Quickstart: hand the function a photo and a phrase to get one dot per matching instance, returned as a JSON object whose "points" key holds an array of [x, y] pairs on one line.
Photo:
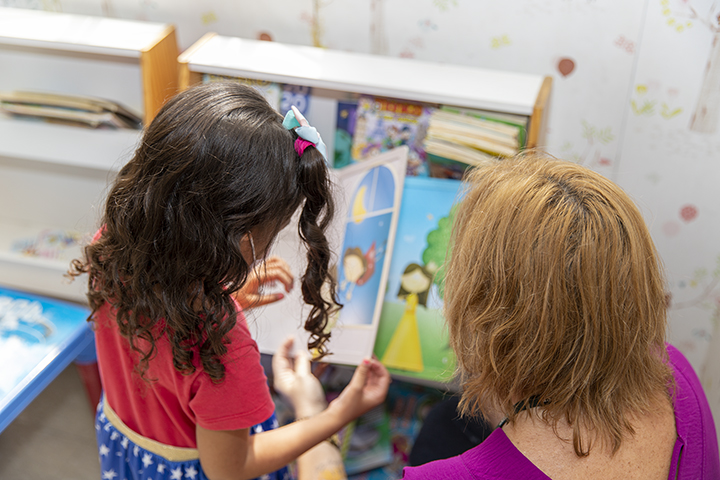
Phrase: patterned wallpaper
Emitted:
{"points": [[636, 96]]}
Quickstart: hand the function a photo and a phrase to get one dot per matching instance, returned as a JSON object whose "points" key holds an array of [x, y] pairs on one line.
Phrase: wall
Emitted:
{"points": [[636, 97]]}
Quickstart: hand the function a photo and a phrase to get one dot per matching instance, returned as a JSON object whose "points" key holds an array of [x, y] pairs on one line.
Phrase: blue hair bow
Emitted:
{"points": [[307, 135]]}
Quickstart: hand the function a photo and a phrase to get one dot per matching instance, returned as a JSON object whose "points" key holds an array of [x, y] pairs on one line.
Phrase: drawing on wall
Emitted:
{"points": [[500, 41], [704, 284], [706, 116], [313, 19], [625, 44], [444, 5], [566, 66], [208, 18], [686, 214], [378, 34], [643, 102], [592, 152]]}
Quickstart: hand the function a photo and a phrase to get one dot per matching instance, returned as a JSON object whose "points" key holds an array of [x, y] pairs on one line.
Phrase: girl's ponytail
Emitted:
{"points": [[318, 286], [315, 217]]}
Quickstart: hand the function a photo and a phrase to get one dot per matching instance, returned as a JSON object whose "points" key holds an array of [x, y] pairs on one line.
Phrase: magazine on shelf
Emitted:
{"points": [[361, 236], [75, 109]]}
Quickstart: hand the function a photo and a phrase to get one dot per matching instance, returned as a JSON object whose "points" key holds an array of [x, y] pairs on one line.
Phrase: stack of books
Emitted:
{"points": [[460, 138], [69, 109]]}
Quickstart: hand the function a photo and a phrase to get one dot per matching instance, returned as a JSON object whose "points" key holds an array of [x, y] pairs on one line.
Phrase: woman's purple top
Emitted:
{"points": [[695, 456]]}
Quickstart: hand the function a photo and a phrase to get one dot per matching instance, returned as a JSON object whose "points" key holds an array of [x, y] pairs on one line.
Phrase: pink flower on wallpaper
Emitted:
{"points": [[671, 228], [605, 162], [688, 213]]}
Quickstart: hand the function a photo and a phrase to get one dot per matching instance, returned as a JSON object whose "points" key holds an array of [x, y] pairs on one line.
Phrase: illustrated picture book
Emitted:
{"points": [[411, 339], [382, 124], [34, 331], [362, 236]]}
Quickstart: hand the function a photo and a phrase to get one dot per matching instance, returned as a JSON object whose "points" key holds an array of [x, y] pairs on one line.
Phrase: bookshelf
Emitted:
{"points": [[52, 176], [337, 75]]}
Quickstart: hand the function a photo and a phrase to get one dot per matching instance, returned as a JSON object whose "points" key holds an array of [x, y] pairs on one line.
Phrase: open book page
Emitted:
{"points": [[362, 235], [412, 338]]}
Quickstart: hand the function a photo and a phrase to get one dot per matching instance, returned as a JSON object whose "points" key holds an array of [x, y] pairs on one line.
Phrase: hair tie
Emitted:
{"points": [[307, 135]]}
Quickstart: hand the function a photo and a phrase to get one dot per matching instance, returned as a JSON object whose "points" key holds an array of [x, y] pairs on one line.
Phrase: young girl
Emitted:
{"points": [[216, 177]]}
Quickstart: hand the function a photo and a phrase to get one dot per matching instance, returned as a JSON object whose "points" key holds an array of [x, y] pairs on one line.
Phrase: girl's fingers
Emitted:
{"points": [[302, 363], [281, 359], [267, 299], [272, 272]]}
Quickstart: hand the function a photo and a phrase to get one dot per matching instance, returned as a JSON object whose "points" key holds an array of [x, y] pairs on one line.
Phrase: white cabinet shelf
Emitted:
{"points": [[29, 140], [355, 73], [53, 177]]}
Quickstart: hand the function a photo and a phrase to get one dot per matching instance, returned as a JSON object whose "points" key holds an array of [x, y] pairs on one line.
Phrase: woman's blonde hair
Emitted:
{"points": [[554, 290]]}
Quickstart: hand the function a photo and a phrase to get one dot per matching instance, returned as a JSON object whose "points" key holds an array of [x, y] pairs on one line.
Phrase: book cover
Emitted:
{"points": [[344, 132], [33, 330], [361, 236], [412, 339], [365, 442], [407, 406], [383, 124], [297, 95]]}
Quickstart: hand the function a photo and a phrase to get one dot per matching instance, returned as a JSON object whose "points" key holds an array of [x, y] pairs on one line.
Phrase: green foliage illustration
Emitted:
{"points": [[438, 242]]}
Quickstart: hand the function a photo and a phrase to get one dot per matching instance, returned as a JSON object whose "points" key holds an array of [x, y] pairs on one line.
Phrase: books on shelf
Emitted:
{"points": [[458, 138], [72, 109], [52, 244], [382, 124]]}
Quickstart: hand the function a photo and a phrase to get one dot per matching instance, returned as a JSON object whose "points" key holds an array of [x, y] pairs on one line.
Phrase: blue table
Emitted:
{"points": [[39, 338]]}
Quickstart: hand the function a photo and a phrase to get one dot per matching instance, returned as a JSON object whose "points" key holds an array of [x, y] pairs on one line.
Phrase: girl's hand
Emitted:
{"points": [[367, 389], [293, 379], [273, 269]]}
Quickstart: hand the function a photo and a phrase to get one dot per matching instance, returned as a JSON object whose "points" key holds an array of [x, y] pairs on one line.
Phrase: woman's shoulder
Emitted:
{"points": [[496, 457], [693, 419]]}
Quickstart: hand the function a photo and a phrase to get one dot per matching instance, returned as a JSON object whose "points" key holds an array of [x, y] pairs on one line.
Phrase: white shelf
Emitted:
{"points": [[55, 176], [105, 150], [77, 33], [36, 274], [368, 74]]}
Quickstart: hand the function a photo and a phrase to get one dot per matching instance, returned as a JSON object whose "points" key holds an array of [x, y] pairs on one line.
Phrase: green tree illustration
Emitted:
{"points": [[438, 243]]}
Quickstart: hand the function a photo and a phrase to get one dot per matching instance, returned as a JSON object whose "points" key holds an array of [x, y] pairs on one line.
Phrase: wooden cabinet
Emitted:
{"points": [[53, 177]]}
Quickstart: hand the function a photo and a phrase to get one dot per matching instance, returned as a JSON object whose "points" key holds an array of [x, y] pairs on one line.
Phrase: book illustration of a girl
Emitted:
{"points": [[404, 351], [358, 268]]}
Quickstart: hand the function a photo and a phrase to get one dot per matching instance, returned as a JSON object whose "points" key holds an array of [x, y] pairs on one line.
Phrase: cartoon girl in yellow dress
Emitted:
{"points": [[404, 351]]}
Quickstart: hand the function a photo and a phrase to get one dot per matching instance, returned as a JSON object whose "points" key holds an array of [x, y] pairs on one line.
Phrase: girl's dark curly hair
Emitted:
{"points": [[215, 163]]}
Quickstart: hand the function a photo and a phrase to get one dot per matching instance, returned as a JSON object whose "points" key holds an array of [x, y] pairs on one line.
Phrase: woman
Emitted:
{"points": [[556, 310]]}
